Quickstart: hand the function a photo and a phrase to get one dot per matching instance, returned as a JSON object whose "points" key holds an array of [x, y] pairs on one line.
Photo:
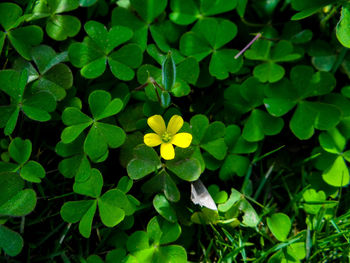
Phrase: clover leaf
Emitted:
{"points": [[107, 135], [264, 50], [21, 38], [236, 205], [207, 37], [280, 225], [162, 181], [336, 173], [308, 8], [323, 58], [164, 208], [113, 205], [93, 54], [13, 200], [52, 75], [309, 115], [247, 97], [20, 151], [311, 198], [10, 241], [153, 245], [185, 12], [209, 137], [35, 106], [76, 164], [145, 161], [234, 162], [146, 12], [58, 26], [342, 29]]}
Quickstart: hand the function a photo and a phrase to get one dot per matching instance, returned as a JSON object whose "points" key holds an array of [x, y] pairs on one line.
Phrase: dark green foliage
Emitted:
{"points": [[269, 127]]}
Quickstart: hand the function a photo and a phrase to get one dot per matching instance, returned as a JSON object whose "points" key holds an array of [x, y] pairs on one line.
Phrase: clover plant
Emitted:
{"points": [[170, 131]]}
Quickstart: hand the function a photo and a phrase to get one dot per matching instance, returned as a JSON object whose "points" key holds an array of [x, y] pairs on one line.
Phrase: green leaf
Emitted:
{"points": [[125, 184], [60, 6], [260, 124], [73, 211], [343, 26], [32, 172], [60, 27], [2, 40], [55, 81], [70, 133], [280, 225], [85, 224], [94, 69], [38, 106], [311, 195], [109, 206], [124, 60], [188, 169], [124, 17], [234, 164], [164, 208], [337, 174], [20, 150], [107, 40], [101, 105], [145, 162], [10, 241], [223, 62], [94, 259], [171, 192], [184, 12], [171, 254], [278, 106], [310, 115], [87, 3], [270, 72], [199, 124], [192, 44], [137, 241], [24, 38], [149, 9], [13, 83], [92, 186], [162, 231], [42, 55], [107, 135], [332, 141], [73, 116], [188, 70], [218, 196], [10, 185], [20, 204], [9, 15], [77, 165], [217, 148], [209, 8], [217, 32]]}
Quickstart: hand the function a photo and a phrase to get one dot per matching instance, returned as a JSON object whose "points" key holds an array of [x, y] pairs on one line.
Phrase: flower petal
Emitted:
{"points": [[182, 139], [152, 139], [167, 151], [157, 124], [175, 124]]}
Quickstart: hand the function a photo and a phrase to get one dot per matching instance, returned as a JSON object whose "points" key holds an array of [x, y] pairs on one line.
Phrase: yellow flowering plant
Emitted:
{"points": [[166, 137]]}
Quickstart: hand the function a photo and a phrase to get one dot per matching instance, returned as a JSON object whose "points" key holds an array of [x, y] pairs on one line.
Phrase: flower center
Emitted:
{"points": [[166, 137]]}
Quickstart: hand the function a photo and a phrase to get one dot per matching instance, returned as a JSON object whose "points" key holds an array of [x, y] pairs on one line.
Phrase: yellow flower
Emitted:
{"points": [[166, 137]]}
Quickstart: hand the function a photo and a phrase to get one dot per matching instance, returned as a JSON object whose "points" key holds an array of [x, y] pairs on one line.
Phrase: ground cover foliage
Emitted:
{"points": [[269, 130]]}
